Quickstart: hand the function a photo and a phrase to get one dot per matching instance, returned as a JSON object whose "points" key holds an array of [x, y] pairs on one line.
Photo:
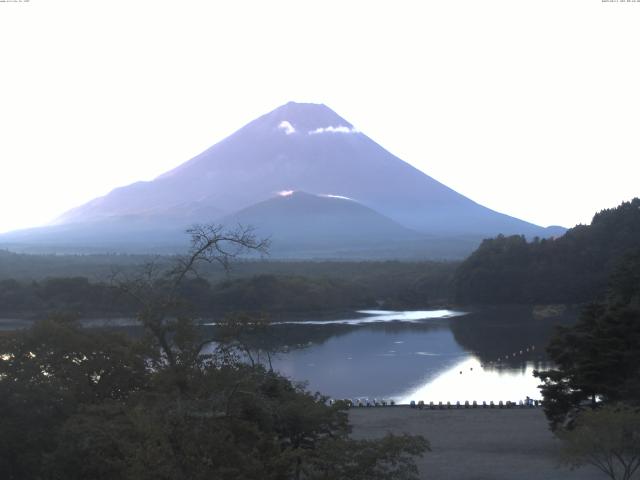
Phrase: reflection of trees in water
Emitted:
{"points": [[500, 336], [490, 334], [419, 326], [286, 337], [294, 336], [308, 335], [277, 338]]}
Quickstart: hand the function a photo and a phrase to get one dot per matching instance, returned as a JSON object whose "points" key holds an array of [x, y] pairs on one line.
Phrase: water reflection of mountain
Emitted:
{"points": [[504, 336]]}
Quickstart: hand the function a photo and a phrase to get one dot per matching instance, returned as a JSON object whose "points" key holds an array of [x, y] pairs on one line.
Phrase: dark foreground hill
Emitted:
{"points": [[301, 225], [571, 269]]}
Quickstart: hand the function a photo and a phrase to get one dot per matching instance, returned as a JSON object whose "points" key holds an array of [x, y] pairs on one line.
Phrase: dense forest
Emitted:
{"points": [[101, 267], [81, 403], [325, 287], [570, 269], [504, 270], [597, 360], [592, 389]]}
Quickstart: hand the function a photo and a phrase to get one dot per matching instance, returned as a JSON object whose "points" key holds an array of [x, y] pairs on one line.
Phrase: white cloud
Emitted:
{"points": [[331, 129], [342, 197], [287, 127], [285, 193]]}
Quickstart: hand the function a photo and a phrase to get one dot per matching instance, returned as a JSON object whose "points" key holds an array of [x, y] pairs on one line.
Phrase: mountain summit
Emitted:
{"points": [[265, 157], [299, 147]]}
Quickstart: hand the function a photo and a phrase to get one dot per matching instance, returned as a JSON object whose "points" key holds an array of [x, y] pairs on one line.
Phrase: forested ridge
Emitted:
{"points": [[570, 269], [392, 286]]}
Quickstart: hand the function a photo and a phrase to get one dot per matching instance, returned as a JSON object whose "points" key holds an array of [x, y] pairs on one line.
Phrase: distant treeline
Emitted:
{"points": [[24, 266], [73, 294], [573, 268], [325, 287]]}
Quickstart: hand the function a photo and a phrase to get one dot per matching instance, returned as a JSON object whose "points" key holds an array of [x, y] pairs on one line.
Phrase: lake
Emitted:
{"points": [[429, 355], [486, 354]]}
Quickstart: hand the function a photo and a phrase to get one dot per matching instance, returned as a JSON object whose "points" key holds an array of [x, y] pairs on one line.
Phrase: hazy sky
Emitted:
{"points": [[529, 107]]}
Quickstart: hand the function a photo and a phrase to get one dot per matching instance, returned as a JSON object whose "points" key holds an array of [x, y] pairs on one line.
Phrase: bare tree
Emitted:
{"points": [[156, 287], [250, 335]]}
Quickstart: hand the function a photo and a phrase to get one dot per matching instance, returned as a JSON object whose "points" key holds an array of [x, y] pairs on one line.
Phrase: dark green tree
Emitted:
{"points": [[597, 361], [608, 439], [573, 268], [47, 374]]}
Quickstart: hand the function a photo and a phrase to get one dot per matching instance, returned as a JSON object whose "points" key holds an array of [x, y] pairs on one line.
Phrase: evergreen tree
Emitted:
{"points": [[570, 269], [597, 360]]}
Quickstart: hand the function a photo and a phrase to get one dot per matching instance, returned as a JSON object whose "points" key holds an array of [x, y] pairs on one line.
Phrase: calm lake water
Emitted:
{"points": [[438, 355], [430, 355]]}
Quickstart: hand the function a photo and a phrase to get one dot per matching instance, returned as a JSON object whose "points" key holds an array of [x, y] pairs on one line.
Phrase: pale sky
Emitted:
{"points": [[530, 107]]}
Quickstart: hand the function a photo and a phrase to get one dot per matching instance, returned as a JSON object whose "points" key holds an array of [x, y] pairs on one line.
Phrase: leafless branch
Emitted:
{"points": [[155, 288]]}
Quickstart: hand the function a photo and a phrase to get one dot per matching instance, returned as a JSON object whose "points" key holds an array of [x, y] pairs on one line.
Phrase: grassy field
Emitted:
{"points": [[475, 444]]}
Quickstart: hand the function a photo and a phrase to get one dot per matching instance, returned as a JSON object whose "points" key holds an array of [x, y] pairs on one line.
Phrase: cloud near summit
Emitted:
{"points": [[286, 127], [331, 129]]}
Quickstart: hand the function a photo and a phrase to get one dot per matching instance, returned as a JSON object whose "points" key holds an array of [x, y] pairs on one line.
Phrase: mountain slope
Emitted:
{"points": [[299, 225], [309, 148], [296, 147]]}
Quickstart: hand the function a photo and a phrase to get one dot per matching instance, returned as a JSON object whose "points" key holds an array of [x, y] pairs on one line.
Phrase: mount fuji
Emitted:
{"points": [[349, 195]]}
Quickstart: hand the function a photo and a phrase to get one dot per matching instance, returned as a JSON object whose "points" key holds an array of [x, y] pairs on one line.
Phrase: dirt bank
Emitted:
{"points": [[475, 444]]}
